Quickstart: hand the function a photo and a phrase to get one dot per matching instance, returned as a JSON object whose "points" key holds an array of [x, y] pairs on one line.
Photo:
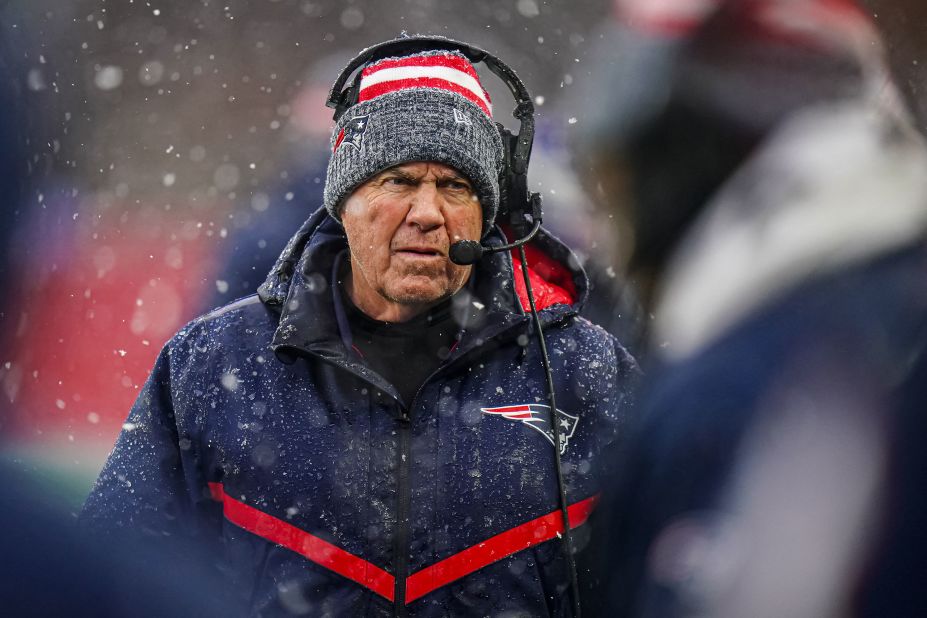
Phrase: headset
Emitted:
{"points": [[523, 208]]}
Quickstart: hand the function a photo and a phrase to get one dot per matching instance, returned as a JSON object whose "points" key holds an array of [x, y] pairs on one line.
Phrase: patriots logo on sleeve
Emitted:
{"points": [[537, 417]]}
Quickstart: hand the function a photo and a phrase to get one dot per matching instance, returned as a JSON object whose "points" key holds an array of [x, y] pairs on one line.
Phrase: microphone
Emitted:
{"points": [[466, 252]]}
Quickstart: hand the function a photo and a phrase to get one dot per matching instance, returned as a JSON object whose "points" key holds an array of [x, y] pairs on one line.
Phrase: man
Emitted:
{"points": [[776, 201], [367, 435]]}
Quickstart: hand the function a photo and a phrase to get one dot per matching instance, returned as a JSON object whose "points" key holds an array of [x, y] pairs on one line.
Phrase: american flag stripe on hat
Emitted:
{"points": [[450, 72]]}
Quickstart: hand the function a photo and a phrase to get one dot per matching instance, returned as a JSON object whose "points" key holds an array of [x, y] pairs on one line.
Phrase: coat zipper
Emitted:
{"points": [[404, 505], [401, 539]]}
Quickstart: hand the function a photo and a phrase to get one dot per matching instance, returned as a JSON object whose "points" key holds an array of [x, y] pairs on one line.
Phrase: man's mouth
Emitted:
{"points": [[420, 252]]}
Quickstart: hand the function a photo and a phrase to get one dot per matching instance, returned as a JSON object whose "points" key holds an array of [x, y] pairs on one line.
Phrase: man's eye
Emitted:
{"points": [[395, 181], [458, 186]]}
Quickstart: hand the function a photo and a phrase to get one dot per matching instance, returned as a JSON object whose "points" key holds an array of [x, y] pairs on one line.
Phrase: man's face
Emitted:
{"points": [[400, 225]]}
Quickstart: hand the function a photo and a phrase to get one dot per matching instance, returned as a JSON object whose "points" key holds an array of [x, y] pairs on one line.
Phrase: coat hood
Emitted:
{"points": [[300, 287]]}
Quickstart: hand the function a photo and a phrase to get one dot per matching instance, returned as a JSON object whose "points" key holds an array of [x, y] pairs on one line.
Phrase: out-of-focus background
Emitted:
{"points": [[159, 154]]}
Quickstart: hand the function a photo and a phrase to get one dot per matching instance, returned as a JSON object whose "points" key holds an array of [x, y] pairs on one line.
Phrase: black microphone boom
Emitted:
{"points": [[466, 252]]}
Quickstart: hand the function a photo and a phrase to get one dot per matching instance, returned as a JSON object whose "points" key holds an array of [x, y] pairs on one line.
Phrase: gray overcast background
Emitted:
{"points": [[117, 90]]}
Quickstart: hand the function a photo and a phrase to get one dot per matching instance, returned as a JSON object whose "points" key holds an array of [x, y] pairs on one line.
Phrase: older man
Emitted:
{"points": [[367, 435]]}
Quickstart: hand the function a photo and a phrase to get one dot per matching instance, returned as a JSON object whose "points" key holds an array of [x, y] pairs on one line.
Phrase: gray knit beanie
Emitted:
{"points": [[428, 106]]}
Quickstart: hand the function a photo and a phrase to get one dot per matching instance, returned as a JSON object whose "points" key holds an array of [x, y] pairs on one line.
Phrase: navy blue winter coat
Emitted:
{"points": [[697, 418], [261, 431], [778, 467]]}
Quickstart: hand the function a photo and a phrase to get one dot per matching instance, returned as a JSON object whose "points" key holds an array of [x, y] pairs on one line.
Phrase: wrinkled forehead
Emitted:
{"points": [[425, 168]]}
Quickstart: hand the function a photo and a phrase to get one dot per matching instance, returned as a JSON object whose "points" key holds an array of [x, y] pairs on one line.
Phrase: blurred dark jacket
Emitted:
{"points": [[780, 193], [51, 567], [789, 307]]}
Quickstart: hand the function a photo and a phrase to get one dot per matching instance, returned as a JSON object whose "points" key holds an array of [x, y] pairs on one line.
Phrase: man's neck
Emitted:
{"points": [[383, 310], [403, 353]]}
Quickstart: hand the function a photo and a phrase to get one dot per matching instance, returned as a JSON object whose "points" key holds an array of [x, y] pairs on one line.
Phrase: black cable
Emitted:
{"points": [[545, 360]]}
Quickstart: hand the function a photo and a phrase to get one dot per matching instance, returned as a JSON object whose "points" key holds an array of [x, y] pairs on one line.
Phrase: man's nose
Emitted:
{"points": [[425, 210]]}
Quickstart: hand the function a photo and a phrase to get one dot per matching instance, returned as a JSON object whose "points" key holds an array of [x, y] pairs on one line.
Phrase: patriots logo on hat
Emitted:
{"points": [[353, 133], [537, 416]]}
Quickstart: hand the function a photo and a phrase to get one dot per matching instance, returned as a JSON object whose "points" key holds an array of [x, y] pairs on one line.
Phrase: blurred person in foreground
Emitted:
{"points": [[50, 567], [773, 198], [364, 435]]}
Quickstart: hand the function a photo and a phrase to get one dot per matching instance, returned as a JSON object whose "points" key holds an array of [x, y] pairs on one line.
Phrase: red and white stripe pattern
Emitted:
{"points": [[444, 70]]}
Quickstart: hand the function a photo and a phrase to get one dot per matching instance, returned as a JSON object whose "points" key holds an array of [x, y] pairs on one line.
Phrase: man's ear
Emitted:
{"points": [[339, 208]]}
